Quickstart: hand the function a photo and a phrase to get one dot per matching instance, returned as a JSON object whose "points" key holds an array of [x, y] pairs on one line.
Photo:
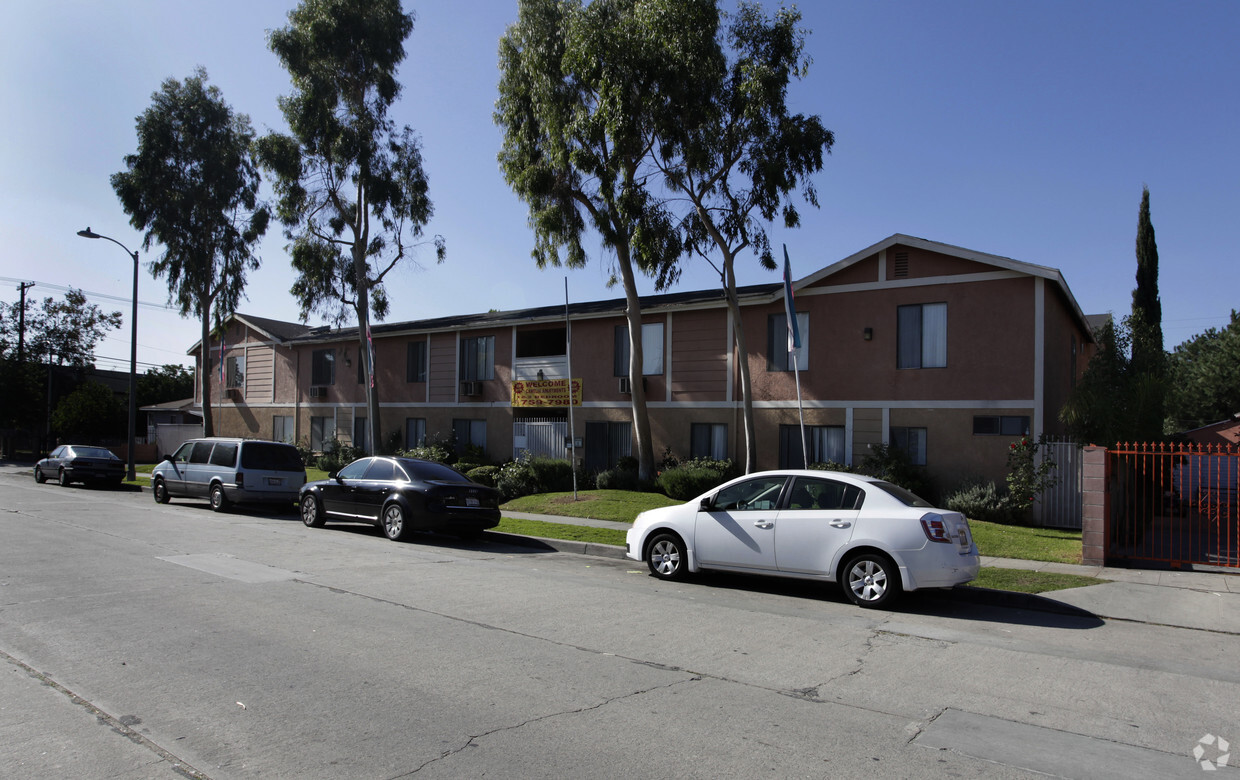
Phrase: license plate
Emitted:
{"points": [[472, 502], [275, 480]]}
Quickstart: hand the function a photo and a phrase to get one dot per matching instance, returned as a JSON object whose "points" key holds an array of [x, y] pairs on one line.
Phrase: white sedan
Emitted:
{"points": [[874, 538]]}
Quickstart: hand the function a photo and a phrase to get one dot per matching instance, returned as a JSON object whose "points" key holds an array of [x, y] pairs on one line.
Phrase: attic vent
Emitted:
{"points": [[901, 265]]}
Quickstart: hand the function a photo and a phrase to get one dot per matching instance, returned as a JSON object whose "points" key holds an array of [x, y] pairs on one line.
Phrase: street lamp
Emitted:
{"points": [[133, 350]]}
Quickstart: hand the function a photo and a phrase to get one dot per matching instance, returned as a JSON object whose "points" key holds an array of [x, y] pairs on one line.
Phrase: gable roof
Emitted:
{"points": [[1052, 275]]}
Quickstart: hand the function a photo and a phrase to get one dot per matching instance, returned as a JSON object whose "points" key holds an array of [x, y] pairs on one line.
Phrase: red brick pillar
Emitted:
{"points": [[1094, 507]]}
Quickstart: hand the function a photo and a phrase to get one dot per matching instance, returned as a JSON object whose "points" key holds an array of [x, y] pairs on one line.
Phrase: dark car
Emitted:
{"points": [[402, 495], [71, 463]]}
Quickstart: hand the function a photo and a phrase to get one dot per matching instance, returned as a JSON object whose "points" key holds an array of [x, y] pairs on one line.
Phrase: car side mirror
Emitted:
{"points": [[706, 505], [334, 475]]}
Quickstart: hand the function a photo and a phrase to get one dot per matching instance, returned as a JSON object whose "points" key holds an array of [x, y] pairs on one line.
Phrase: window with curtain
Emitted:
{"points": [[477, 358], [777, 356], [652, 349], [912, 441], [282, 428], [234, 371], [825, 444], [470, 433], [415, 431], [415, 368], [322, 431], [323, 367], [922, 336], [708, 440]]}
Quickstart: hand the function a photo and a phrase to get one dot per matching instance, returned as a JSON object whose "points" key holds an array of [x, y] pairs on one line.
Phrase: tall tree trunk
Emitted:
{"points": [[204, 373], [641, 417], [363, 355], [742, 357]]}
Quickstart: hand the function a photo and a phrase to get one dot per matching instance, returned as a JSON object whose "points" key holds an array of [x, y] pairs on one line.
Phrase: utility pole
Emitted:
{"points": [[21, 323]]}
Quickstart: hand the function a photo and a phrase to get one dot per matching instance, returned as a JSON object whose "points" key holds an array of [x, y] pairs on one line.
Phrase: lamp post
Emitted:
{"points": [[133, 350]]}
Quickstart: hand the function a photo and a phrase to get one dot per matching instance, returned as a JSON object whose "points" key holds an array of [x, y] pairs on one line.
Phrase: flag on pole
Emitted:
{"points": [[790, 309], [370, 356]]}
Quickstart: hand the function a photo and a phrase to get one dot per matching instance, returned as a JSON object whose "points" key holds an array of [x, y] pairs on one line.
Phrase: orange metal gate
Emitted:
{"points": [[1175, 504]]}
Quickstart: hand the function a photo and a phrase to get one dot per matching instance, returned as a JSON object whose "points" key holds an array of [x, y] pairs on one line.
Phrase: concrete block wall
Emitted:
{"points": [[1094, 505]]}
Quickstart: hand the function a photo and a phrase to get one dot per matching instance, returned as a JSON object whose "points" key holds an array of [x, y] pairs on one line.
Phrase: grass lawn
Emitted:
{"points": [[1029, 581], [620, 505], [1055, 545], [576, 533]]}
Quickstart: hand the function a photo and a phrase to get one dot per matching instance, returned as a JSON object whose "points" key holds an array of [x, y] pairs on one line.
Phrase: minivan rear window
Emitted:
{"points": [[224, 454], [269, 456]]}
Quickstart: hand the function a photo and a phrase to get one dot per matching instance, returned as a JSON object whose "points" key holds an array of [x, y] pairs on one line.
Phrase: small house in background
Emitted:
{"points": [[170, 424], [1225, 432]]}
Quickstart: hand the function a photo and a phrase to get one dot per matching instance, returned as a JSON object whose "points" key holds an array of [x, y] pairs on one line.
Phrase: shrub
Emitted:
{"points": [[617, 479], [980, 501], [484, 475], [336, 456], [552, 475], [683, 483], [1028, 476], [892, 464], [831, 465], [439, 452]]}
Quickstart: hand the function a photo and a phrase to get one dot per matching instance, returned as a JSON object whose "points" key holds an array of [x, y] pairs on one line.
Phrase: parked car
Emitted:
{"points": [[71, 463], [230, 471], [402, 495], [872, 537]]}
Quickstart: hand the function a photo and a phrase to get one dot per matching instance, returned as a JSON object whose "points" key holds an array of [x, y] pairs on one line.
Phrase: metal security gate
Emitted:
{"points": [[539, 437], [1174, 504], [1060, 505]]}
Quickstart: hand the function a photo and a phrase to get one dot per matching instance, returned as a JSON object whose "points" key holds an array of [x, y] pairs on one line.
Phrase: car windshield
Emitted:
{"points": [[425, 471], [268, 456], [905, 497], [94, 452]]}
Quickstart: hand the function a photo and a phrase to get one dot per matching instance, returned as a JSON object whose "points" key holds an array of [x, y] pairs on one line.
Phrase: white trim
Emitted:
{"points": [[849, 428], [926, 281]]}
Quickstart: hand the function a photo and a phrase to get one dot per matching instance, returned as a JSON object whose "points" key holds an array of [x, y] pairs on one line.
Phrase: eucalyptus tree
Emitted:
{"points": [[741, 154], [193, 187], [352, 192], [585, 93]]}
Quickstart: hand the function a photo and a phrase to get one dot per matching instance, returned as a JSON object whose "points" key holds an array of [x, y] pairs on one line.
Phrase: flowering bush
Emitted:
{"points": [[1028, 475]]}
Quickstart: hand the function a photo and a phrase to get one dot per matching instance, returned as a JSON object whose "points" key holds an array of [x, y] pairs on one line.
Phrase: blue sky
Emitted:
{"points": [[1021, 129]]}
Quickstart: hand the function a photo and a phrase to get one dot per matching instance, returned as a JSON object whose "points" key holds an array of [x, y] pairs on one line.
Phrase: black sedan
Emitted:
{"points": [[71, 463], [401, 495]]}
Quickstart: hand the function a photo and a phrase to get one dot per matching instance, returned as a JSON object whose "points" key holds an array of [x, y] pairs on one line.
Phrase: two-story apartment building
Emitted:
{"points": [[945, 352]]}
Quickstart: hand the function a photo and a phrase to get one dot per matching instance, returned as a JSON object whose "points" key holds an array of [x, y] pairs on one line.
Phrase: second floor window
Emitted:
{"points": [[477, 358], [415, 368], [323, 367], [922, 336], [234, 370], [778, 358], [652, 349]]}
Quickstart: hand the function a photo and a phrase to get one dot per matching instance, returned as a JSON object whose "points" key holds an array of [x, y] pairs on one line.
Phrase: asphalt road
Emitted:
{"points": [[139, 640]]}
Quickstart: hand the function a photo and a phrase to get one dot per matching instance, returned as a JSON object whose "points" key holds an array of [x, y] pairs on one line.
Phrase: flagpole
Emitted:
{"points": [[794, 348], [568, 351]]}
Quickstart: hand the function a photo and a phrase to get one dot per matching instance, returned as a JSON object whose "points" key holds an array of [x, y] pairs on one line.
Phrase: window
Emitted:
{"points": [[922, 336], [323, 367], [322, 430], [708, 440], [477, 358], [606, 443], [997, 425], [224, 454], [542, 343], [282, 429], [470, 433], [911, 441], [415, 362], [777, 356], [652, 349], [234, 371], [355, 470], [361, 431], [415, 431], [381, 469], [824, 494], [753, 495], [201, 452], [825, 444]]}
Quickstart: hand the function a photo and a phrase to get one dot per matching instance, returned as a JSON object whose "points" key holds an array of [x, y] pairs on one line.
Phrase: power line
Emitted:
{"points": [[119, 298]]}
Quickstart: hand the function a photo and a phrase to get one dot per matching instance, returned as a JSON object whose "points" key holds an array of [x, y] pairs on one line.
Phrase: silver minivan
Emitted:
{"points": [[230, 471]]}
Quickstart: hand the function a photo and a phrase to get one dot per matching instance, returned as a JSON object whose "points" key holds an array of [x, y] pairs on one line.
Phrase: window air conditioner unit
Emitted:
{"points": [[318, 392], [626, 387], [471, 388]]}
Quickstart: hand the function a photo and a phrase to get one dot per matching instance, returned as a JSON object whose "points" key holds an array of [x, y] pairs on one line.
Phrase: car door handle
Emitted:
{"points": [[763, 524], [840, 524]]}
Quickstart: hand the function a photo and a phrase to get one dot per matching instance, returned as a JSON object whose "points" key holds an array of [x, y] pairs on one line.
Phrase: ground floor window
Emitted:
{"points": [[824, 443], [1000, 425], [282, 429], [470, 433], [322, 431], [415, 430], [606, 443], [361, 433], [911, 441], [708, 440]]}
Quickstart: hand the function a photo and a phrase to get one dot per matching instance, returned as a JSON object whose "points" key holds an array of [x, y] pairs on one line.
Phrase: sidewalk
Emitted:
{"points": [[1208, 601]]}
